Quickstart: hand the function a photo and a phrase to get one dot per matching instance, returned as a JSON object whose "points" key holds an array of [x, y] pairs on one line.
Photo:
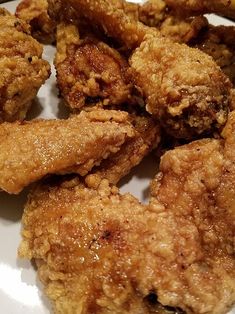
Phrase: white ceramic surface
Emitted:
{"points": [[20, 291]]}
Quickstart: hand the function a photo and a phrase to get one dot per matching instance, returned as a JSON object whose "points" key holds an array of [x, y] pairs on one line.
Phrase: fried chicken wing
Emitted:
{"points": [[221, 7], [34, 12], [178, 28], [34, 149], [89, 71], [101, 252], [22, 68], [182, 86], [218, 42], [131, 153]]}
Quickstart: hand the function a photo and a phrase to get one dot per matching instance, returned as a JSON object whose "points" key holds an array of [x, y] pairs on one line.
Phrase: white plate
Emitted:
{"points": [[20, 291]]}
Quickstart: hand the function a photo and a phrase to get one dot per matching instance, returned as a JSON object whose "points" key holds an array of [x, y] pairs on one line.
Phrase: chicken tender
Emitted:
{"points": [[221, 7], [183, 87], [31, 150], [89, 71], [131, 153], [218, 42], [178, 28], [22, 68], [101, 252], [34, 12]]}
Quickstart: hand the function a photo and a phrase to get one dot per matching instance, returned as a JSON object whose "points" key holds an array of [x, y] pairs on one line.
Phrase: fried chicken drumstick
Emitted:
{"points": [[22, 68], [31, 150], [182, 86], [101, 252]]}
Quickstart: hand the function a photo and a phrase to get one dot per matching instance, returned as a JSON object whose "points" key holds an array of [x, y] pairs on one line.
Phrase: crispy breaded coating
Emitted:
{"points": [[22, 68], [89, 71], [111, 16], [101, 252], [178, 28], [183, 87], [196, 187], [31, 150], [221, 7], [131, 153], [34, 12], [82, 239], [218, 42]]}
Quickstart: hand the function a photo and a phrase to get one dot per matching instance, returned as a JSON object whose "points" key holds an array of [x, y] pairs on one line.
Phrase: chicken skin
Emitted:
{"points": [[218, 42], [101, 252], [89, 71], [31, 150], [221, 7], [34, 12], [183, 87], [147, 137], [181, 29], [22, 68]]}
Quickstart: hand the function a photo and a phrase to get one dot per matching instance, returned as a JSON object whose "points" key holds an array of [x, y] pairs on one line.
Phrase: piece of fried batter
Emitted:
{"points": [[89, 71], [34, 149], [147, 137], [218, 42], [34, 12], [22, 68], [101, 252], [182, 86], [192, 7], [178, 28]]}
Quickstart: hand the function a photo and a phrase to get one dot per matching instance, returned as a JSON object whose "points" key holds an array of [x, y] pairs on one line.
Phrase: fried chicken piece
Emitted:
{"points": [[34, 149], [82, 239], [131, 153], [218, 42], [157, 14], [221, 7], [183, 87], [195, 189], [22, 68], [34, 12], [89, 71], [101, 252]]}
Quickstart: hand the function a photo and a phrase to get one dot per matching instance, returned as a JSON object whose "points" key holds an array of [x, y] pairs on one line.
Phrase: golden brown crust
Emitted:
{"points": [[118, 165], [196, 184], [218, 42], [183, 87], [111, 16], [101, 252], [192, 7], [34, 12], [156, 13], [89, 71], [34, 149], [22, 68]]}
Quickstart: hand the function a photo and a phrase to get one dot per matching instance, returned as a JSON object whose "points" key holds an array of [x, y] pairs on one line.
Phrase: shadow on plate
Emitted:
{"points": [[35, 109], [142, 175], [11, 206]]}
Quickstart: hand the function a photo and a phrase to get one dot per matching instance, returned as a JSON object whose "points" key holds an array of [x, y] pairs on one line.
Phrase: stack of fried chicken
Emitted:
{"points": [[136, 79]]}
